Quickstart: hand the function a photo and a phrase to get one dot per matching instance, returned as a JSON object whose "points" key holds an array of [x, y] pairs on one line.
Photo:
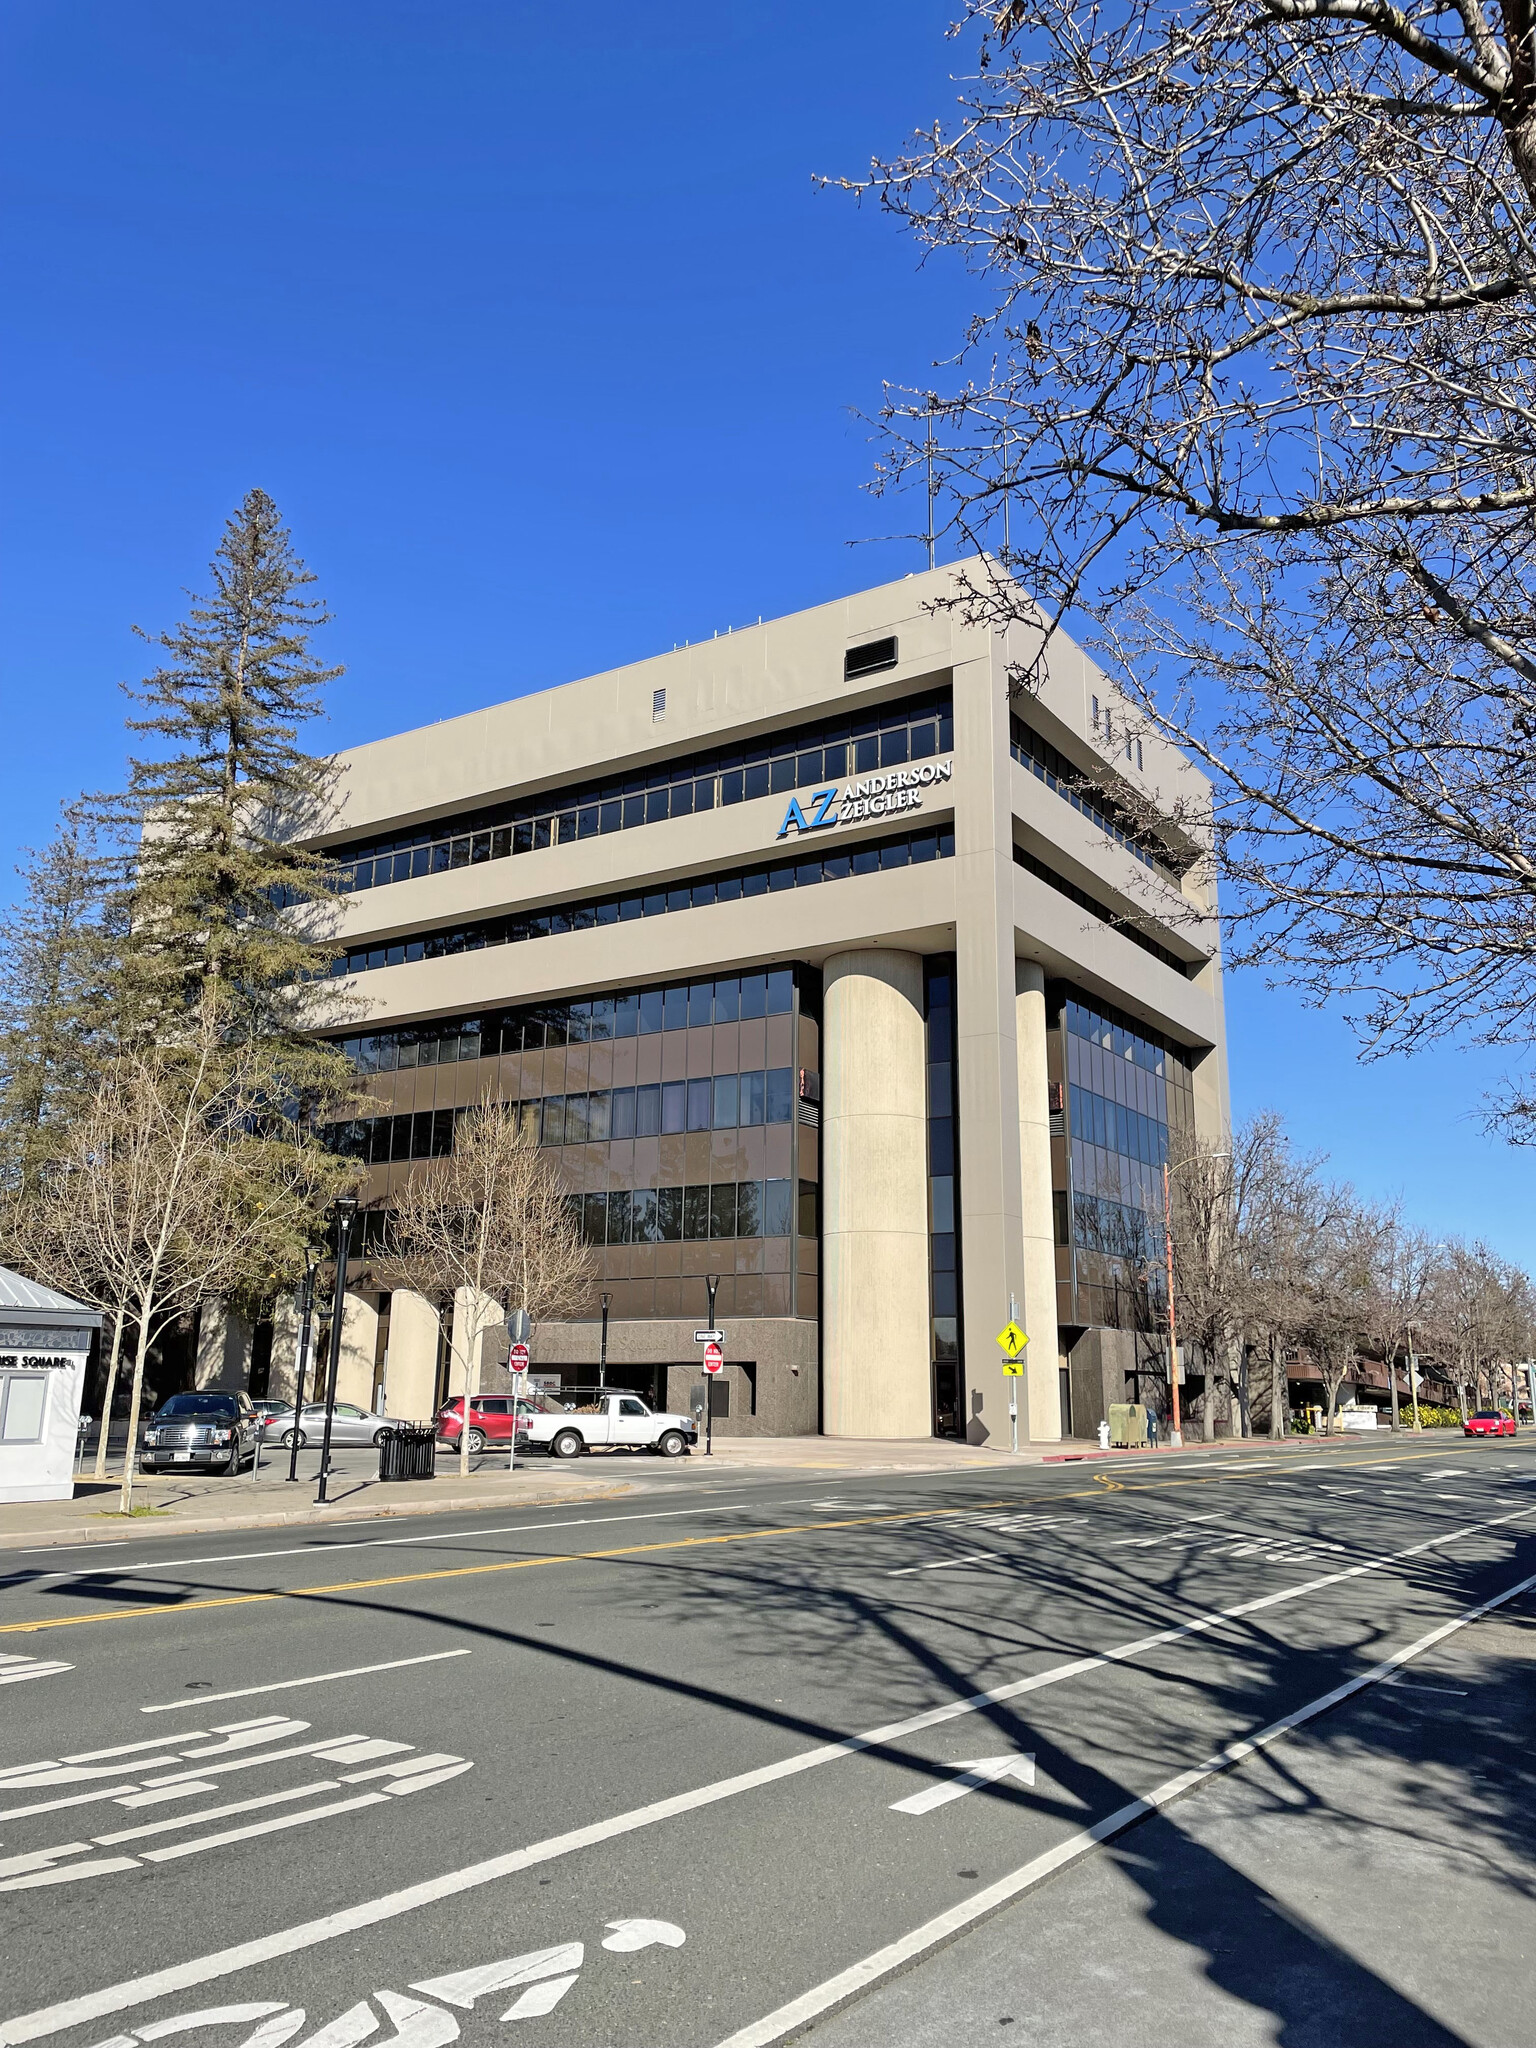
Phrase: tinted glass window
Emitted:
{"points": [[198, 1407]]}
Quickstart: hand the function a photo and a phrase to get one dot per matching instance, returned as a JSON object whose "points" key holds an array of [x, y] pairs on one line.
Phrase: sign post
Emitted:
{"points": [[713, 1341], [1012, 1339], [519, 1330]]}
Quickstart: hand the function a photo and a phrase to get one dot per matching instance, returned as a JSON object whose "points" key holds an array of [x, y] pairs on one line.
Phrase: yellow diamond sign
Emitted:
{"points": [[1012, 1339]]}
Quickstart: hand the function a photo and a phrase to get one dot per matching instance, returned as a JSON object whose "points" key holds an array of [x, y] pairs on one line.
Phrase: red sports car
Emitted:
{"points": [[1489, 1422]]}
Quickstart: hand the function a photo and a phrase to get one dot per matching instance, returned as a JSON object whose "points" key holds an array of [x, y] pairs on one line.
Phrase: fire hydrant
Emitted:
{"points": [[1103, 1436]]}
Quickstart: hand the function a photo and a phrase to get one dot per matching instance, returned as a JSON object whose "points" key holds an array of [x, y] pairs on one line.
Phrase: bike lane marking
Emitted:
{"points": [[312, 1933]]}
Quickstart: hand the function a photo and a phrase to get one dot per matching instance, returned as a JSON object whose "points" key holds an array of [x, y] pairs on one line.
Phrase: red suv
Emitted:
{"points": [[490, 1420], [1488, 1422]]}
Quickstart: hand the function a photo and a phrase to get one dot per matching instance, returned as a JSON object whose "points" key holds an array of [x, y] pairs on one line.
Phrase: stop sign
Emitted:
{"points": [[517, 1358], [714, 1358]]}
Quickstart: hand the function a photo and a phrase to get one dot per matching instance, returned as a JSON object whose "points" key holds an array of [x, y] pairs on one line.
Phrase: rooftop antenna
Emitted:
{"points": [[928, 467], [1007, 496]]}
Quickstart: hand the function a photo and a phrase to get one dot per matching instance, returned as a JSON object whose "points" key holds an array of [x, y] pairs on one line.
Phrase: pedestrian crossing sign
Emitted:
{"points": [[1012, 1339], [1013, 1368]]}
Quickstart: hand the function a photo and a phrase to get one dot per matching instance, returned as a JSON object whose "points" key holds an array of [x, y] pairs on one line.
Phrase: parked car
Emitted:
{"points": [[351, 1427], [1489, 1422], [581, 1419], [202, 1432], [490, 1420]]}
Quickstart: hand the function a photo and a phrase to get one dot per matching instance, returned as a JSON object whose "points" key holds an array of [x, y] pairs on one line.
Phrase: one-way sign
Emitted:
{"points": [[709, 1336]]}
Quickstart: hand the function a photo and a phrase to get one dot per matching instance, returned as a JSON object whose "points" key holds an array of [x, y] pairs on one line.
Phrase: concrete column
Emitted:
{"points": [[410, 1382], [1039, 1303], [285, 1348], [359, 1341], [223, 1348], [874, 1243]]}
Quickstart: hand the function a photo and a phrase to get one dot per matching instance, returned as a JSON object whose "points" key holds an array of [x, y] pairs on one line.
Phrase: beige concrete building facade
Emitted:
{"points": [[828, 967]]}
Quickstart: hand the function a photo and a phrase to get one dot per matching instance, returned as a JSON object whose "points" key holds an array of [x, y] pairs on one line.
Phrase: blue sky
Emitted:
{"points": [[532, 322]]}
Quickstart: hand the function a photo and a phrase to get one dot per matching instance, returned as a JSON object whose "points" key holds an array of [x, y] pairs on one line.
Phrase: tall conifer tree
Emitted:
{"points": [[57, 949], [214, 871]]}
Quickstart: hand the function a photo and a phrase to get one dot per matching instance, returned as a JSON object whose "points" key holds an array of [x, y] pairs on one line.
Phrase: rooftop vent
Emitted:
{"points": [[869, 659]]}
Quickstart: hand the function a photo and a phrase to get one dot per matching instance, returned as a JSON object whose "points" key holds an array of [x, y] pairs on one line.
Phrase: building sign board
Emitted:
{"points": [[887, 795]]}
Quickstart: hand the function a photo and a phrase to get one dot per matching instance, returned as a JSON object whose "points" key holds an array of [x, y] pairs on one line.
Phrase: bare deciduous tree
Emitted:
{"points": [[491, 1224], [165, 1193], [1251, 382]]}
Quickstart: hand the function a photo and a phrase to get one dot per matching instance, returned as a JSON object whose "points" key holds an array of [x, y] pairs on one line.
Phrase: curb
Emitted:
{"points": [[75, 1535]]}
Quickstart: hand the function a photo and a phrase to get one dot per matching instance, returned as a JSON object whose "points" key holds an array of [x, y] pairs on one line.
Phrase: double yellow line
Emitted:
{"points": [[523, 1564]]}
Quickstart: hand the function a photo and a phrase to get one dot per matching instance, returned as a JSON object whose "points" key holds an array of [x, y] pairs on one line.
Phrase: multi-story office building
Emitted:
{"points": [[809, 943]]}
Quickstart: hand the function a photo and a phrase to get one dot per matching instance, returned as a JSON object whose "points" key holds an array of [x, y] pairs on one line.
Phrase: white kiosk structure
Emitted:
{"points": [[45, 1340]]}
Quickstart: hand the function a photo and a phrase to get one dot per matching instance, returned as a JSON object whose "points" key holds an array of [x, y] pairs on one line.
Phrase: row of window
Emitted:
{"points": [[1034, 752], [1033, 864], [722, 1102], [878, 856], [1118, 1036], [825, 751], [633, 1013], [725, 1209], [1098, 1121]]}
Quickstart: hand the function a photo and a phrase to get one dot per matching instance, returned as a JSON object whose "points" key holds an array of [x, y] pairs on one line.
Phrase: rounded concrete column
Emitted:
{"points": [[359, 1342], [874, 1233], [410, 1379], [1042, 1415]]}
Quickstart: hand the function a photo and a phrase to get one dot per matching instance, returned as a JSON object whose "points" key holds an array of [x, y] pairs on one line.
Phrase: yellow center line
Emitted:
{"points": [[522, 1564]]}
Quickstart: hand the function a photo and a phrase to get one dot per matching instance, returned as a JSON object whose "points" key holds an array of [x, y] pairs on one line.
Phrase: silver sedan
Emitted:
{"points": [[351, 1426]]}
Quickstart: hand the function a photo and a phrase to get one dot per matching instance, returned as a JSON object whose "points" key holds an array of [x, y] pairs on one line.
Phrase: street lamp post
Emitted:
{"points": [[306, 1316], [1175, 1433], [602, 1356], [344, 1209]]}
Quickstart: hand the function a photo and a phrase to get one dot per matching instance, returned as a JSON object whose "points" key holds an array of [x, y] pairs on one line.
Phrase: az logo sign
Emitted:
{"points": [[795, 820]]}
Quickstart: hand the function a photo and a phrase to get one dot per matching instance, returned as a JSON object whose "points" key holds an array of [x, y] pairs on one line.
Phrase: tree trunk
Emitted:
{"points": [[106, 1403], [1331, 1389], [1276, 1389], [141, 1354]]}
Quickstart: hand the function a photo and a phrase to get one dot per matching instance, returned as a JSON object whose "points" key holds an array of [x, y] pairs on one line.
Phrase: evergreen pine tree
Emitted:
{"points": [[213, 868], [57, 958]]}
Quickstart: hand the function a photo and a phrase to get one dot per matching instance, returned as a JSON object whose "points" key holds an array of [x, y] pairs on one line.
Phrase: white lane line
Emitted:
{"points": [[169, 1564], [944, 1563], [227, 1962], [849, 1984], [245, 1692]]}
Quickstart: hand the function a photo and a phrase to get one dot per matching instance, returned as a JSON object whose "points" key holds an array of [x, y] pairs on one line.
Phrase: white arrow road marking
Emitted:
{"points": [[463, 1987], [15, 1670], [251, 1954], [417, 2024], [986, 1770], [625, 1937], [354, 2025], [539, 1999]]}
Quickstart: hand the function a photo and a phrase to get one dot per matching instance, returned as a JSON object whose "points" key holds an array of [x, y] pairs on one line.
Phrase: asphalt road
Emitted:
{"points": [[766, 1756]]}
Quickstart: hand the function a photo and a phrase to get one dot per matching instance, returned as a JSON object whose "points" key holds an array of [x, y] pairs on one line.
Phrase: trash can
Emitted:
{"points": [[408, 1450]]}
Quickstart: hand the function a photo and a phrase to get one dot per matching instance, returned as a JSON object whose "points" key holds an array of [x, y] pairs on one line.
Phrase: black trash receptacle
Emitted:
{"points": [[408, 1450]]}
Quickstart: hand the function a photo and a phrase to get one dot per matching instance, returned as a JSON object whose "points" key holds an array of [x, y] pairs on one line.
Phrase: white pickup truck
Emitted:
{"points": [[578, 1419]]}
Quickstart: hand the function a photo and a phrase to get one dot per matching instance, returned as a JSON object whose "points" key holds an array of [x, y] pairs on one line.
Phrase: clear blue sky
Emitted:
{"points": [[533, 324]]}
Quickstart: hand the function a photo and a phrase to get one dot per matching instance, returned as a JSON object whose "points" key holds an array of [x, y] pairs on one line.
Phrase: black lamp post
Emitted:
{"points": [[602, 1356], [344, 1209], [306, 1317]]}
